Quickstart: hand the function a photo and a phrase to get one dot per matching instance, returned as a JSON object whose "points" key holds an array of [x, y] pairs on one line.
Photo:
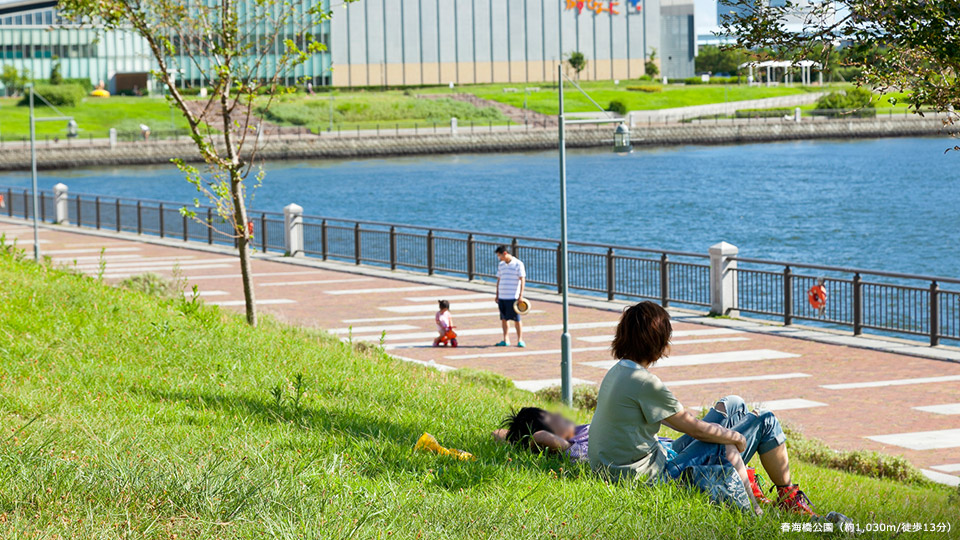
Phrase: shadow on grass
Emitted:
{"points": [[386, 445]]}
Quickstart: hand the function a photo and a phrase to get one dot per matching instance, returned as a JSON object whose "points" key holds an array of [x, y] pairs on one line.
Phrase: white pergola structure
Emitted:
{"points": [[806, 70]]}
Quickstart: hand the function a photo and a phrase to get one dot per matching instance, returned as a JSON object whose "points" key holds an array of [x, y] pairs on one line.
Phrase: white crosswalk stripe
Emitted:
{"points": [[426, 308], [358, 329], [947, 408], [748, 378], [453, 298], [921, 440], [893, 382], [755, 355], [676, 334], [385, 290], [539, 384], [227, 303], [312, 282], [524, 352], [789, 404], [489, 331]]}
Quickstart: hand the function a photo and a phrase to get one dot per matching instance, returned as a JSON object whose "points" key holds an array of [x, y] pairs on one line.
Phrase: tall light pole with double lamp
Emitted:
{"points": [[71, 132], [621, 145]]}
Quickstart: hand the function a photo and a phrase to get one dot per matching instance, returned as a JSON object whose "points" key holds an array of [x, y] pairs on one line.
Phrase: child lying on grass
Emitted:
{"points": [[545, 431]]}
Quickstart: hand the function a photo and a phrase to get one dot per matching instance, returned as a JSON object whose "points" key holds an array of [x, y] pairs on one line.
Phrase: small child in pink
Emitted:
{"points": [[445, 326]]}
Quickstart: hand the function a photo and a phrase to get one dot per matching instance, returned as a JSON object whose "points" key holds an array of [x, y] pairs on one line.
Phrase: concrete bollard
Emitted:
{"points": [[796, 115], [113, 137], [453, 126], [293, 230], [62, 212], [723, 279]]}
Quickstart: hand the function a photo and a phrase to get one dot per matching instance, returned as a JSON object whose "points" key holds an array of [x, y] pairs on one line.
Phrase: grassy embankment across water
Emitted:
{"points": [[367, 109], [127, 415]]}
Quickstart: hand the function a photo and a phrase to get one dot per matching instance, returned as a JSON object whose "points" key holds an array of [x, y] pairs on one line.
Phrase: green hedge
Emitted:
{"points": [[649, 88], [60, 95], [617, 106], [763, 113], [855, 102], [713, 80]]}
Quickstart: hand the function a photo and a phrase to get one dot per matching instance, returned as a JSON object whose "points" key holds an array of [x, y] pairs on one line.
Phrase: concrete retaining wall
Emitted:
{"points": [[18, 158]]}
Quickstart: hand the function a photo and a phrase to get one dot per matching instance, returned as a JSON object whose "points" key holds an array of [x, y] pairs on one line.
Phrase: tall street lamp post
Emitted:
{"points": [[621, 145], [71, 127]]}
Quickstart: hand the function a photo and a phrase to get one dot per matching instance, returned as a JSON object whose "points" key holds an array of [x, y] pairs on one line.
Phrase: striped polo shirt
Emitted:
{"points": [[509, 275]]}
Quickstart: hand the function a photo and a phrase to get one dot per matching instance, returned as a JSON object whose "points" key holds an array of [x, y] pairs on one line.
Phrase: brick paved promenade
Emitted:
{"points": [[850, 396]]}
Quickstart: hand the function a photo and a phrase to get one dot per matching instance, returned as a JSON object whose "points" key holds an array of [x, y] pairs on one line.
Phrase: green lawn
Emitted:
{"points": [[94, 116], [603, 92], [130, 416]]}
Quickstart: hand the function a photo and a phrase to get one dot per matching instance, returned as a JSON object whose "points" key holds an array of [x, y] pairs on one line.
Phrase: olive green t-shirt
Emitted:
{"points": [[631, 404]]}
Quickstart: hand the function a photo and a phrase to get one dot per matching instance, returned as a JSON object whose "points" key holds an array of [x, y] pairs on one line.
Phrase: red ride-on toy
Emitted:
{"points": [[450, 338]]}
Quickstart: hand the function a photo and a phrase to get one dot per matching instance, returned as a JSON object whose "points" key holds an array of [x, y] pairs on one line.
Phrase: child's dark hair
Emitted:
{"points": [[444, 304], [522, 424]]}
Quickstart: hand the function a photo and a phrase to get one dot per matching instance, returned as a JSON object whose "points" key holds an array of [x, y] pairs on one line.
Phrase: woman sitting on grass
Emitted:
{"points": [[632, 403]]}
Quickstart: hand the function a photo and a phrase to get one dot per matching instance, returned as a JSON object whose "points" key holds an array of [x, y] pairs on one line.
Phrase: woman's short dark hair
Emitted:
{"points": [[643, 333], [524, 423], [444, 304]]}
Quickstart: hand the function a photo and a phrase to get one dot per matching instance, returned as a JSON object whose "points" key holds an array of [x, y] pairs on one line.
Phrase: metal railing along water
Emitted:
{"points": [[885, 302]]}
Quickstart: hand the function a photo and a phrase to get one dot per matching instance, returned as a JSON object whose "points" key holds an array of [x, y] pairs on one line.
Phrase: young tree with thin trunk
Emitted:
{"points": [[243, 49]]}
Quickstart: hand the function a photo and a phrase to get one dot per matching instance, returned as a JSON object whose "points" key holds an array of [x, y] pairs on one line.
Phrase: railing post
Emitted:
{"points": [[209, 225], [186, 229], [471, 263], [323, 239], [559, 270], [119, 227], [43, 207], [357, 242], [857, 305], [26, 203], [10, 201], [611, 275], [787, 296], [263, 232], [514, 247], [161, 220], [430, 252], [96, 205], [79, 216], [293, 231], [139, 218], [664, 280], [723, 279], [393, 247], [934, 314]]}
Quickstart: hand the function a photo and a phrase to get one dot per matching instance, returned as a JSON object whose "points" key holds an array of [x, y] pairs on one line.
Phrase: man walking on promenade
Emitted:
{"points": [[511, 277]]}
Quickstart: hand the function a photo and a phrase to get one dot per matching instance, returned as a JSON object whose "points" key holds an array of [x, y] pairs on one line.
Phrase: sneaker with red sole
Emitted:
{"points": [[793, 499], [755, 481]]}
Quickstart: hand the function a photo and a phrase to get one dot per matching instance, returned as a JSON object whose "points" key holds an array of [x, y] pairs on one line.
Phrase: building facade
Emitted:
{"points": [[428, 42], [33, 37], [407, 43]]}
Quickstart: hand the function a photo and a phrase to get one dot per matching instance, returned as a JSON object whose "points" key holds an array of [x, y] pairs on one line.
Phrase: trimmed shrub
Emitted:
{"points": [[617, 106], [60, 95], [649, 88], [762, 113], [856, 103]]}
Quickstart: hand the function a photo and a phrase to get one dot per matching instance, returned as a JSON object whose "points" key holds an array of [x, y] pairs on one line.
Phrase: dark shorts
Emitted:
{"points": [[507, 313]]}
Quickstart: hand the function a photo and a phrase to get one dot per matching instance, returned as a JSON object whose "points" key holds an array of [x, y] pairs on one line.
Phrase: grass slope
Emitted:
{"points": [[94, 116], [603, 92], [129, 416]]}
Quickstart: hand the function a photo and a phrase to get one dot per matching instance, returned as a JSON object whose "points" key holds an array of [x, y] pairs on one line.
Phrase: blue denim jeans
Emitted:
{"points": [[760, 428]]}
